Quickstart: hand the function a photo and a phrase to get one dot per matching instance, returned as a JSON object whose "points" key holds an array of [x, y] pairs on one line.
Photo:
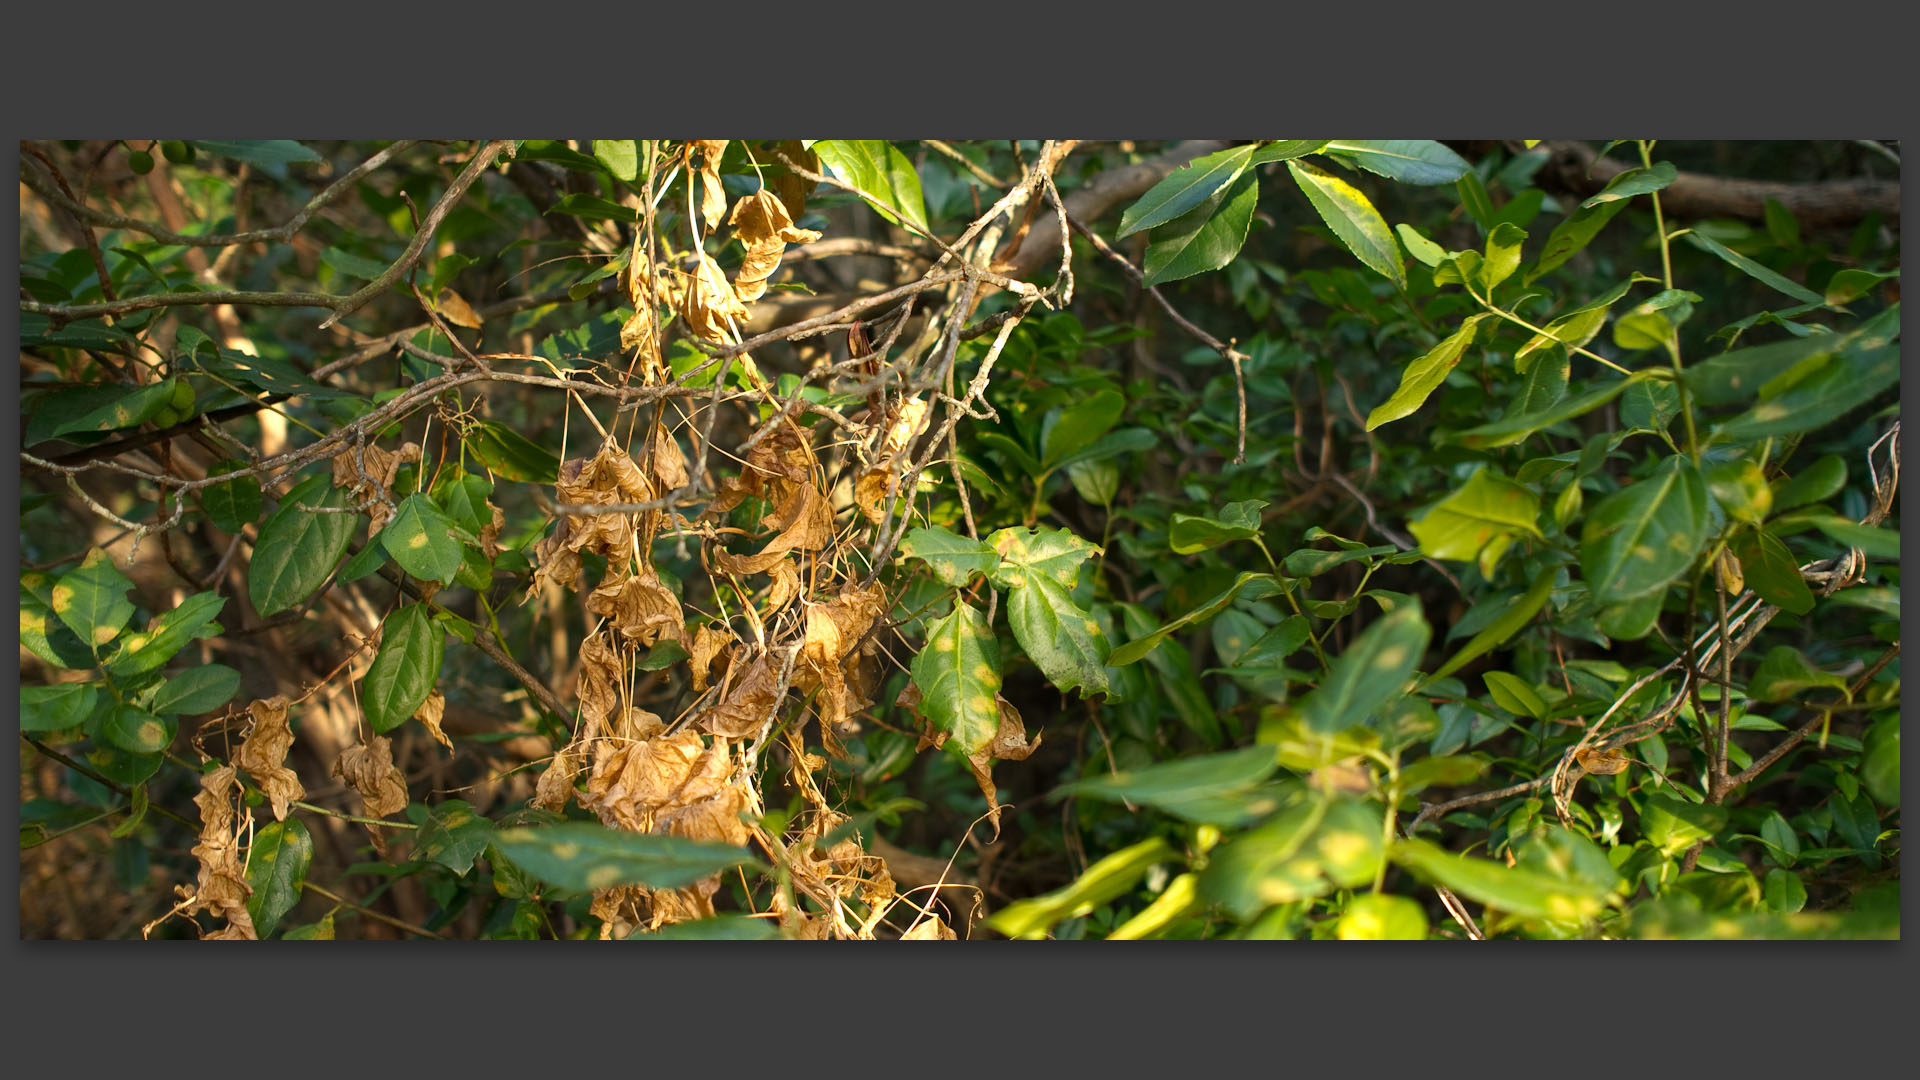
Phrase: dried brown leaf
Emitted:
{"points": [[369, 769], [1009, 744], [764, 227], [555, 786], [490, 536], [366, 474], [792, 188], [1603, 762], [640, 607], [668, 464], [709, 302], [708, 643], [713, 195], [222, 888], [265, 749], [786, 585], [930, 928], [598, 687], [632, 783], [870, 490], [455, 309], [748, 703], [430, 714]]}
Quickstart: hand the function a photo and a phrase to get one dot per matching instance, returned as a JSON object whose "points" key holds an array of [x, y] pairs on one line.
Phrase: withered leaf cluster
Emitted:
{"points": [[222, 888], [366, 473], [264, 753]]}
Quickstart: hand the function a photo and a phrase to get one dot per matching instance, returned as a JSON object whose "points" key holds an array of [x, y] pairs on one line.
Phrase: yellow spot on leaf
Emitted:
{"points": [[601, 877], [152, 734], [566, 851], [1644, 552], [1391, 657], [419, 540], [62, 598]]}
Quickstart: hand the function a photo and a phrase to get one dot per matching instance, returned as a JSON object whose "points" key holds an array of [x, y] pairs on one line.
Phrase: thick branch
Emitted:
{"points": [[1817, 204]]}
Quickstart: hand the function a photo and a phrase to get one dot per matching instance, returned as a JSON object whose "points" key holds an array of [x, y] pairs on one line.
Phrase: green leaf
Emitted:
{"points": [[1371, 673], [1576, 327], [1851, 284], [351, 265], [583, 856], [365, 562], [1285, 150], [1185, 189], [453, 836], [1503, 255], [1784, 674], [420, 538], [593, 208], [1126, 440], [1572, 236], [1512, 693], [1410, 161], [1312, 562], [1077, 426], [1187, 534], [1353, 219], [1818, 482], [881, 171], [144, 651], [1480, 521], [1674, 825], [1546, 383], [1878, 543], [1649, 406], [1475, 200], [1206, 238], [257, 152], [49, 639], [57, 707], [464, 497], [1524, 891], [1096, 481], [412, 647], [1880, 761], [1630, 620], [197, 690], [138, 732], [510, 454], [1515, 617], [958, 675], [1382, 917], [1841, 384], [1771, 571], [1738, 375], [91, 600], [298, 549], [233, 504], [1055, 553], [1138, 648], [277, 870], [1058, 636], [1221, 789], [1102, 882], [1640, 538], [271, 375], [1640, 181], [1424, 376], [1418, 246], [1780, 837], [953, 558], [620, 156], [1445, 771], [1783, 892], [1753, 269]]}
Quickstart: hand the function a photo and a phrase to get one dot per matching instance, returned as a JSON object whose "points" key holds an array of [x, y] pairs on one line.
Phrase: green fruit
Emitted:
{"points": [[168, 417], [140, 162], [177, 152], [182, 396]]}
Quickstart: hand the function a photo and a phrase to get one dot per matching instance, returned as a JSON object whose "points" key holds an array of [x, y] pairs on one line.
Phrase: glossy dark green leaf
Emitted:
{"points": [[297, 548], [1630, 620], [1475, 200], [1513, 694], [1225, 788], [1112, 444], [148, 649], [1410, 161], [953, 558], [1753, 269], [1139, 647], [1640, 181], [1841, 384], [1184, 189], [1206, 238], [1372, 672], [958, 675], [583, 856], [510, 454], [1480, 521], [1818, 482], [1518, 615], [258, 151], [1353, 219], [277, 870], [1187, 534], [50, 639], [1642, 537], [1422, 377], [1783, 842], [271, 375], [1571, 236], [1513, 429], [1079, 424], [91, 599], [57, 707], [1771, 571], [126, 409], [464, 498], [1784, 892], [1673, 825], [880, 171], [138, 732], [1880, 761], [1649, 406], [453, 836], [420, 538], [197, 690], [1878, 543], [233, 504], [365, 563], [1785, 675], [593, 208], [1546, 383], [1063, 640], [405, 670]]}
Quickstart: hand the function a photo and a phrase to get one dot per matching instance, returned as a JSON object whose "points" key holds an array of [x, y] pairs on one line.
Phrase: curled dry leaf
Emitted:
{"points": [[631, 784], [640, 608], [708, 642], [430, 714], [764, 227], [786, 586], [908, 424], [555, 785], [792, 188], [366, 474], [748, 703], [369, 769], [598, 687], [709, 302], [454, 308], [1732, 575], [1603, 762], [668, 464], [616, 908], [870, 492], [713, 194], [1009, 744], [608, 479], [264, 752], [222, 888], [930, 928], [490, 536]]}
